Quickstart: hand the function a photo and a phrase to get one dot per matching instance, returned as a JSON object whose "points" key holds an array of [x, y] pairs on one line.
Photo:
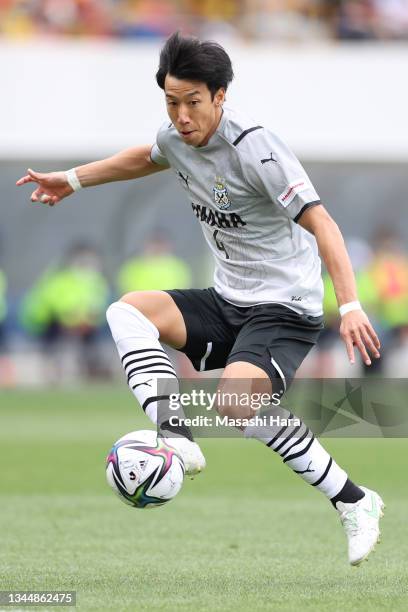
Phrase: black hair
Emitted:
{"points": [[188, 58]]}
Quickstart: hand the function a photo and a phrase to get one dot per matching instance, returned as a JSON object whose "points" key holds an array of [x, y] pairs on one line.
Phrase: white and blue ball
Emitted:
{"points": [[144, 470]]}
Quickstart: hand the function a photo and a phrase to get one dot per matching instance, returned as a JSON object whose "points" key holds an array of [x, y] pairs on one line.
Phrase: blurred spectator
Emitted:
{"points": [[3, 306], [77, 17], [6, 369], [331, 358], [66, 307], [390, 275], [293, 20], [265, 20], [355, 20], [3, 303], [146, 18], [156, 268], [382, 285], [213, 19], [361, 256], [24, 18], [391, 19]]}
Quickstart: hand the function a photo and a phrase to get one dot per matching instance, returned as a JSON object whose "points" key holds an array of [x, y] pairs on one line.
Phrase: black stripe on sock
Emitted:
{"points": [[295, 443], [155, 398], [142, 351], [323, 476], [149, 365], [288, 438], [172, 372], [157, 372], [300, 453], [278, 435], [245, 133], [144, 359], [179, 429]]}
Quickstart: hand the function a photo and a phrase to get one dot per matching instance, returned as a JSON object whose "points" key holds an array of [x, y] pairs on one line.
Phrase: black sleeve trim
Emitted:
{"points": [[241, 136], [306, 207]]}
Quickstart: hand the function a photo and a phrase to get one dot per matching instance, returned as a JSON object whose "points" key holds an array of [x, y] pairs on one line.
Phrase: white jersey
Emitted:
{"points": [[248, 191]]}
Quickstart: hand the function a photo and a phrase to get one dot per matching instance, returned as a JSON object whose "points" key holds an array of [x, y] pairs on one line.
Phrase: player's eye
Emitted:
{"points": [[170, 103], [194, 102]]}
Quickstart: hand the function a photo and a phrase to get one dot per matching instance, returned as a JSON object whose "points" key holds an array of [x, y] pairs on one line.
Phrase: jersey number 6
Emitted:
{"points": [[220, 245]]}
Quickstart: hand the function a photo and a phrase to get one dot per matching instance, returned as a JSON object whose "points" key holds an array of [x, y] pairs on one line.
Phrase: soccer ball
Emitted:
{"points": [[144, 470]]}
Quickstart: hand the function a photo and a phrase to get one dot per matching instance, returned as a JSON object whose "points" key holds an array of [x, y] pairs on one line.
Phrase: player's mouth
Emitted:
{"points": [[187, 134]]}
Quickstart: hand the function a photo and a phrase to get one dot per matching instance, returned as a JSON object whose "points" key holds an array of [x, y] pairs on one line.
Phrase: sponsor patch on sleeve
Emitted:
{"points": [[292, 190]]}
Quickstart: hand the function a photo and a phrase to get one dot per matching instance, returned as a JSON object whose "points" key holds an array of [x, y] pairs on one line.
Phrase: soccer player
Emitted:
{"points": [[264, 224]]}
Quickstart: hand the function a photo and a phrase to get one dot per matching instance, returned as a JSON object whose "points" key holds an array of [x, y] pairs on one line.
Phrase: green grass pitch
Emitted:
{"points": [[247, 534]]}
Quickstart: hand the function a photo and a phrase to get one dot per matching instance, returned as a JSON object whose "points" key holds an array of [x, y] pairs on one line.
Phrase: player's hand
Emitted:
{"points": [[356, 330], [52, 186]]}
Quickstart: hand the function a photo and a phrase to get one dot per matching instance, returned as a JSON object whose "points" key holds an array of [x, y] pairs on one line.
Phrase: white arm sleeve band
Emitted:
{"points": [[345, 308], [73, 180]]}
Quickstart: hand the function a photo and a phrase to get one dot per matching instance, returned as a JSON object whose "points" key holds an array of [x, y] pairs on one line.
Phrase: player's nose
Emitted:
{"points": [[183, 118]]}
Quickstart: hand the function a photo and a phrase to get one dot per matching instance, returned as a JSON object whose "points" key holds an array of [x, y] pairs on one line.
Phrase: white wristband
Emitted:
{"points": [[349, 307], [73, 180]]}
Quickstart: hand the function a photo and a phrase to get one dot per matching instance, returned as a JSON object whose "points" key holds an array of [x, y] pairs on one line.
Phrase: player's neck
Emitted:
{"points": [[219, 112]]}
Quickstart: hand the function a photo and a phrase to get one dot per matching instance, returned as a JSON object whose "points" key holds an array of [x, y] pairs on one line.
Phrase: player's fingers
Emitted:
{"points": [[35, 196], [361, 347], [373, 335], [49, 199], [46, 199], [369, 342], [24, 179], [36, 176], [349, 347]]}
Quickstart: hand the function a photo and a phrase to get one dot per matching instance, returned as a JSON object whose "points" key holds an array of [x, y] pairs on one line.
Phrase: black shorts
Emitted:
{"points": [[270, 336]]}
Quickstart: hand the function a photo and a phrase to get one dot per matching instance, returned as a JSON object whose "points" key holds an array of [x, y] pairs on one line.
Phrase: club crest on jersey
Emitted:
{"points": [[221, 196]]}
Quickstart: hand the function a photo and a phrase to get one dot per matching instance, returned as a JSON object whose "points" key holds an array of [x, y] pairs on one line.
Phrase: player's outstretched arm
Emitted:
{"points": [[131, 163], [355, 328]]}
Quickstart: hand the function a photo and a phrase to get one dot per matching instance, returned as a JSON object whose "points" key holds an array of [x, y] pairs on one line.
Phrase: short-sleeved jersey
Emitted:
{"points": [[248, 191]]}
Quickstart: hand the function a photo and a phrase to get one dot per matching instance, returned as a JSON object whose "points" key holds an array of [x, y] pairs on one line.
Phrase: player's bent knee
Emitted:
{"points": [[152, 304], [232, 411], [161, 310], [230, 402], [243, 390], [138, 299]]}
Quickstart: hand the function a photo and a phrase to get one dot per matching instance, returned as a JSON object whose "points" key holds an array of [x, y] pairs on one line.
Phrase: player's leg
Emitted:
{"points": [[241, 380], [288, 436], [277, 349], [360, 509], [138, 322]]}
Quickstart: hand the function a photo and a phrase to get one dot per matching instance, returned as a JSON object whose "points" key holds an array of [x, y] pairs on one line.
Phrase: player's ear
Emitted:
{"points": [[219, 97]]}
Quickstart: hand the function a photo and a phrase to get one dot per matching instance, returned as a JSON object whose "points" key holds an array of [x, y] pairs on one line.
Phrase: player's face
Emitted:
{"points": [[192, 111]]}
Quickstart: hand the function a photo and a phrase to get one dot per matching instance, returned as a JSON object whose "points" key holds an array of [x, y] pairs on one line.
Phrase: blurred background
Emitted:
{"points": [[245, 20], [77, 76]]}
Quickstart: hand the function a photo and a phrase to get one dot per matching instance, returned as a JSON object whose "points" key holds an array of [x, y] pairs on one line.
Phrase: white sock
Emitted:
{"points": [[150, 373], [301, 451]]}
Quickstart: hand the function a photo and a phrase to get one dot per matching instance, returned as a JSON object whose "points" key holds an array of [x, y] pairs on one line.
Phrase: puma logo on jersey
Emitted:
{"points": [[272, 158], [185, 178]]}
